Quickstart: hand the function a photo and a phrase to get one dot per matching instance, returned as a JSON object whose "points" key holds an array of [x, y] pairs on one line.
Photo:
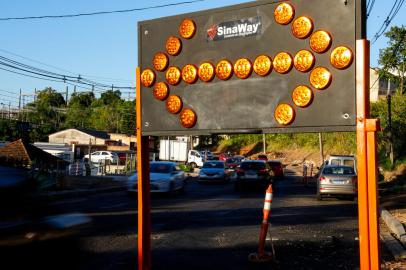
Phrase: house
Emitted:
{"points": [[379, 87], [23, 154]]}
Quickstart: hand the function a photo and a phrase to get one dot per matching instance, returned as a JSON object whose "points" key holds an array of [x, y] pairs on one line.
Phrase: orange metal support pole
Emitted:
{"points": [[362, 89], [144, 201], [372, 125]]}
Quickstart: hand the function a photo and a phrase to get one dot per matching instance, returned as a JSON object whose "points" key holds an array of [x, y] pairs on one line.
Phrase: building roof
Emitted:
{"points": [[95, 133], [25, 153]]}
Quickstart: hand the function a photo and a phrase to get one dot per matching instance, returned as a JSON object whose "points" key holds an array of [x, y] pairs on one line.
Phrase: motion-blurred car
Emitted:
{"points": [[277, 168], [214, 170], [337, 181], [103, 156], [26, 218], [165, 177], [253, 172]]}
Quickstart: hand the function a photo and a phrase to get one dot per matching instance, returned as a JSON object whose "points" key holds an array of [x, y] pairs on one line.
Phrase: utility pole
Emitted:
{"points": [[74, 89], [92, 88], [66, 95], [9, 115], [321, 147], [264, 142], [391, 150], [35, 94], [19, 105]]}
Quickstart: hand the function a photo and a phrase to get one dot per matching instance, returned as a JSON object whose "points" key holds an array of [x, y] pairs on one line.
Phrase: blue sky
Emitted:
{"points": [[102, 48]]}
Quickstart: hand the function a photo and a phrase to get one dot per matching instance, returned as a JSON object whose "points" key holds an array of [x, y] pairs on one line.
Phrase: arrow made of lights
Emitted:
{"points": [[304, 61]]}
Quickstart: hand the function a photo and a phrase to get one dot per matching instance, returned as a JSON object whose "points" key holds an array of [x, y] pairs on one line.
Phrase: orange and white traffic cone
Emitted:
{"points": [[262, 255]]}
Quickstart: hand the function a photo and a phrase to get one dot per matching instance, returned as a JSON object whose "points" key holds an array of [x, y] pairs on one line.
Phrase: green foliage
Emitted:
{"points": [[393, 57]]}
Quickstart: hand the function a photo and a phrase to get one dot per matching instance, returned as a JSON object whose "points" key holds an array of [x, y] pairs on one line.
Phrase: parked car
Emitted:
{"points": [[253, 172], [233, 163], [277, 168], [103, 156], [262, 157], [165, 177], [214, 170], [336, 180]]}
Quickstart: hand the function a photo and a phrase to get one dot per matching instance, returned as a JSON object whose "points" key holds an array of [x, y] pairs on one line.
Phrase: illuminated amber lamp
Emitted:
{"points": [[161, 91], [147, 77], [160, 61], [341, 57], [187, 28], [174, 104], [173, 45], [188, 118], [302, 27], [189, 73], [303, 61], [284, 114], [263, 65], [302, 96], [284, 13], [320, 78], [242, 68], [173, 75], [206, 72], [320, 41], [282, 62], [224, 70]]}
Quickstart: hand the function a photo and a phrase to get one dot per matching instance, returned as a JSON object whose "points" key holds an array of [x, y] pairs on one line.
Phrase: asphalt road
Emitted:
{"points": [[211, 226]]}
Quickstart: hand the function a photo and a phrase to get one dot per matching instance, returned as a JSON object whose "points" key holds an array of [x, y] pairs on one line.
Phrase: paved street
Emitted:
{"points": [[211, 226]]}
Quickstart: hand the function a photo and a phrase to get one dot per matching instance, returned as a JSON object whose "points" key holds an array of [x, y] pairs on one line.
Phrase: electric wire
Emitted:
{"points": [[98, 12], [392, 13]]}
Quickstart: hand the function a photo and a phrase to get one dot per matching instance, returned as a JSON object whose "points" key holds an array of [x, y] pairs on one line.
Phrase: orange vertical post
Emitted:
{"points": [[372, 125], [362, 100], [144, 200]]}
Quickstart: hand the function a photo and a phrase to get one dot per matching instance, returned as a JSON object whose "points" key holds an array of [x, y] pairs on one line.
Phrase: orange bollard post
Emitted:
{"points": [[262, 255]]}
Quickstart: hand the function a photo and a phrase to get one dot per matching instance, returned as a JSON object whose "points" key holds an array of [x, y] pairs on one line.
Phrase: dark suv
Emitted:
{"points": [[253, 172]]}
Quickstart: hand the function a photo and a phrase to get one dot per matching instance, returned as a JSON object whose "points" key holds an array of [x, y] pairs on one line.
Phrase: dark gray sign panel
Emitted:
{"points": [[247, 105]]}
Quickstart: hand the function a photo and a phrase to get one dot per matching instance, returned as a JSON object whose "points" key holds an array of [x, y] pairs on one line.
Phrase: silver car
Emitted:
{"points": [[165, 177], [214, 170], [337, 180]]}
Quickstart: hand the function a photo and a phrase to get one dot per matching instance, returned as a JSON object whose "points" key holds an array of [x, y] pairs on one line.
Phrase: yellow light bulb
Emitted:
{"points": [[188, 118], [284, 114], [282, 62], [341, 57], [187, 28], [147, 77], [304, 60], [242, 68], [320, 41], [302, 96], [320, 78], [284, 13]]}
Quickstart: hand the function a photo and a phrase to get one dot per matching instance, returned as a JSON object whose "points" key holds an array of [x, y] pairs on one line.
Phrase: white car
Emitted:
{"points": [[103, 156], [165, 177]]}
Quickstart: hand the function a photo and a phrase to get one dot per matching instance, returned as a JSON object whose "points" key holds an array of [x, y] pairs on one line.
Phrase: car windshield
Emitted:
{"points": [[213, 165], [338, 170], [160, 168], [253, 166]]}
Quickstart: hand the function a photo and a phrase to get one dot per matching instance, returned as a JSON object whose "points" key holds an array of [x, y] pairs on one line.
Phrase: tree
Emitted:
{"points": [[79, 110], [110, 96], [393, 57]]}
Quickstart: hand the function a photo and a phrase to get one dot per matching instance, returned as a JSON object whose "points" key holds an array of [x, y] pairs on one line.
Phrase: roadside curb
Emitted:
{"points": [[78, 192], [394, 227]]}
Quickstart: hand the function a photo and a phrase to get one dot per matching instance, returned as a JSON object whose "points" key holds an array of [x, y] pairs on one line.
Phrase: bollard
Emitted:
{"points": [[262, 255]]}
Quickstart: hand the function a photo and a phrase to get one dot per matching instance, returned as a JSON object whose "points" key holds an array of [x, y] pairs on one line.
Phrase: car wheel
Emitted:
{"points": [[182, 189], [172, 189]]}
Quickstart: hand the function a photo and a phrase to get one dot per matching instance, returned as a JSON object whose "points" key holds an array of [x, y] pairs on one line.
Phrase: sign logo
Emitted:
{"points": [[235, 29]]}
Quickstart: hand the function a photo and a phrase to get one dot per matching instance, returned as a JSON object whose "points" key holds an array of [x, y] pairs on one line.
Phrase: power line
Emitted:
{"points": [[51, 76], [370, 5], [392, 13], [65, 70], [98, 12]]}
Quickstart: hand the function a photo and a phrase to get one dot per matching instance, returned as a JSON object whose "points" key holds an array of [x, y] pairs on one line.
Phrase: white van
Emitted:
{"points": [[346, 160]]}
